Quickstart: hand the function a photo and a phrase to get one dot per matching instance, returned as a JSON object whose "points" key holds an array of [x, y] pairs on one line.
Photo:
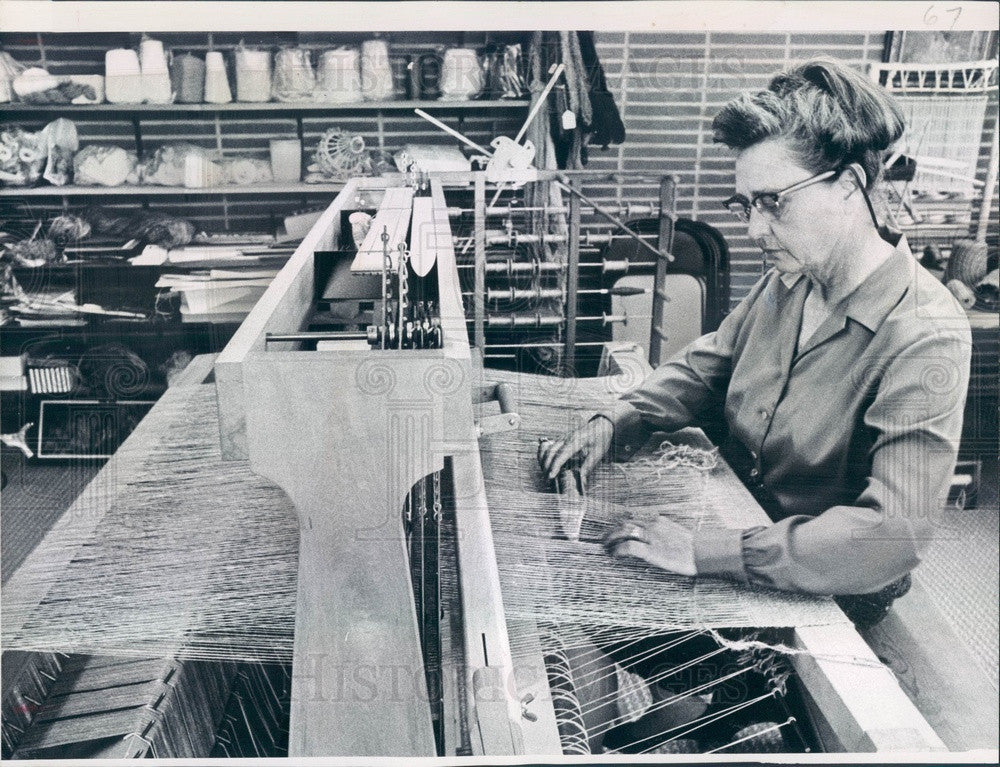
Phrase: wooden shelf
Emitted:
{"points": [[303, 107], [149, 190]]}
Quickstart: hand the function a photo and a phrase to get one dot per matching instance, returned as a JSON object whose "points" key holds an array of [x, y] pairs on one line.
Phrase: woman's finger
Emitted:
{"points": [[547, 451], [627, 531], [565, 451], [544, 446], [631, 548]]}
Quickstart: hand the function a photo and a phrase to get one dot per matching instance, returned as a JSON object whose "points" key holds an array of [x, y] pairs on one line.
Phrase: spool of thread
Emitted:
{"points": [[430, 76], [286, 159], [376, 73], [461, 74], [962, 292], [253, 75], [967, 262], [400, 66], [216, 80], [187, 76], [155, 74], [122, 77], [340, 76], [200, 171]]}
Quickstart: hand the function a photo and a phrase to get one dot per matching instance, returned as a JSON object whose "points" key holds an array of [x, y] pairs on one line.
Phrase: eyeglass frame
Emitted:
{"points": [[778, 196]]}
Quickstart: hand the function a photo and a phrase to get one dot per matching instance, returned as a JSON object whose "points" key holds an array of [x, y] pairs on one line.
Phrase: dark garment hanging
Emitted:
{"points": [[607, 126]]}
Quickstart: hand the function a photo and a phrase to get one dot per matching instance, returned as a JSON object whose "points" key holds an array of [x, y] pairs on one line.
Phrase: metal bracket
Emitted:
{"points": [[506, 419]]}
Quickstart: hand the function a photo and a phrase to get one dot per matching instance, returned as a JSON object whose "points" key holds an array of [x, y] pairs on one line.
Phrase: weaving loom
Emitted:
{"points": [[333, 543]]}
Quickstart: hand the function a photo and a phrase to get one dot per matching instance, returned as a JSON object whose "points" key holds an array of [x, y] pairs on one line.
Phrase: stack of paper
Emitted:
{"points": [[219, 294], [12, 376]]}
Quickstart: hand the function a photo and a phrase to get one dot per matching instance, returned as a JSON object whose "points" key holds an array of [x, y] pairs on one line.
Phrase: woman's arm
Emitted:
{"points": [[673, 396], [858, 549], [680, 391]]}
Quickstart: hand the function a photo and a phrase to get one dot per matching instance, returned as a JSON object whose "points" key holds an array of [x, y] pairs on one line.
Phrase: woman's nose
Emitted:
{"points": [[759, 226]]}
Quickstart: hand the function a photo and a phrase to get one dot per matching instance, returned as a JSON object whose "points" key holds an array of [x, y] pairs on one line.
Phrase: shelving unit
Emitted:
{"points": [[137, 111], [149, 125], [149, 190], [261, 106], [236, 128]]}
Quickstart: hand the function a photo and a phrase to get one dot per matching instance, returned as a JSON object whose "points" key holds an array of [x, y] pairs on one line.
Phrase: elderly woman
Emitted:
{"points": [[840, 379], [835, 389]]}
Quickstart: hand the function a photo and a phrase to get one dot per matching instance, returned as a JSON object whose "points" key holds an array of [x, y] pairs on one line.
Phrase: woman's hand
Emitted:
{"points": [[661, 542], [590, 442]]}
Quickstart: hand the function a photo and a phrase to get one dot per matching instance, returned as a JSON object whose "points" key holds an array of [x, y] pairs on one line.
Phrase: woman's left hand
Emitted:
{"points": [[661, 542]]}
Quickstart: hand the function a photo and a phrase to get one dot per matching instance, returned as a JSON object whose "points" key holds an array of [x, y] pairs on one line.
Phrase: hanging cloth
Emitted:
{"points": [[606, 127]]}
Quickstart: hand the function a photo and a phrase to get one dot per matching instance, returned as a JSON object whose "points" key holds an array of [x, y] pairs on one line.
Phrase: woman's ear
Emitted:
{"points": [[854, 175]]}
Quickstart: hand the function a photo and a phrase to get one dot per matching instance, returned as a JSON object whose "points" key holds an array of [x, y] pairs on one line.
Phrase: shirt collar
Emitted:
{"points": [[871, 301]]}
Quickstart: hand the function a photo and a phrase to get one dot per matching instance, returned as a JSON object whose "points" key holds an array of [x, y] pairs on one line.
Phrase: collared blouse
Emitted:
{"points": [[849, 441]]}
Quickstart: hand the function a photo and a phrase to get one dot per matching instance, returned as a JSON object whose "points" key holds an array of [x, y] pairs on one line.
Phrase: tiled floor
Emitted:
{"points": [[961, 577]]}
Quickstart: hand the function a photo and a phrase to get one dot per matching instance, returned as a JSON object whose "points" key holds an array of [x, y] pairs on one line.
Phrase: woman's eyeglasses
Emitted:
{"points": [[769, 203]]}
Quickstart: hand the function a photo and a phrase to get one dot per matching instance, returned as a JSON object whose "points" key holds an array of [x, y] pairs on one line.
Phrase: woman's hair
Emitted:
{"points": [[830, 114]]}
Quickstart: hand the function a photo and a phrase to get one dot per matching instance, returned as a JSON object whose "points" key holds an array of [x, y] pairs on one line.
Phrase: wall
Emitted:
{"points": [[669, 86]]}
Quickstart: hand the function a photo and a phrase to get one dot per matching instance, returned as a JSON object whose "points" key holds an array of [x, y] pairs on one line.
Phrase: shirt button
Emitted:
{"points": [[765, 414], [754, 473]]}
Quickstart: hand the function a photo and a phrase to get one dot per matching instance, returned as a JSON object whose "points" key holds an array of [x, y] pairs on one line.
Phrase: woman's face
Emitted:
{"points": [[814, 226]]}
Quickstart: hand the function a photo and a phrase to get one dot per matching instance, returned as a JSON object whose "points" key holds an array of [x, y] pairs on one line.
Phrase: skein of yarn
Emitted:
{"points": [[253, 75], [122, 77], [462, 75], [962, 292]]}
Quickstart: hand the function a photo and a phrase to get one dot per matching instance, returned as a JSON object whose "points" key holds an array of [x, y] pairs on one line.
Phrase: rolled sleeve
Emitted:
{"points": [[718, 553], [630, 430]]}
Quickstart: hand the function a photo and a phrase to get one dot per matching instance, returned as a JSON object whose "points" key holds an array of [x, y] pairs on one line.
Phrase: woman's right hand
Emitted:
{"points": [[590, 443]]}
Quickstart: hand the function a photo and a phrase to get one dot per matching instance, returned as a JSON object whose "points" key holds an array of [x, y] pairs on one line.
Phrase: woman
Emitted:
{"points": [[835, 390], [839, 380]]}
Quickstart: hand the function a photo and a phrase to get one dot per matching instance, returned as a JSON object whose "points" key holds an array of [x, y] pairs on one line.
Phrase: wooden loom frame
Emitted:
{"points": [[276, 408]]}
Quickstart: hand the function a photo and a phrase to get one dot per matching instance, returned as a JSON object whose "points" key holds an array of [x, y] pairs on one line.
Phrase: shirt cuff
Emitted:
{"points": [[718, 552], [631, 432]]}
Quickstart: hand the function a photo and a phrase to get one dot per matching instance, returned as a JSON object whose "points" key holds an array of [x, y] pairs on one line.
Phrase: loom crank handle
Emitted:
{"points": [[507, 419]]}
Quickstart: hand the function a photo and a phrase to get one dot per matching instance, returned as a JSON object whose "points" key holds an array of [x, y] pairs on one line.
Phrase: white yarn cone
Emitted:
{"points": [[216, 81]]}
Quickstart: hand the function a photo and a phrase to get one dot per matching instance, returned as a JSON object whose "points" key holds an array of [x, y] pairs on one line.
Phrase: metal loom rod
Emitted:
{"points": [[572, 275], [317, 335], [523, 267], [453, 132], [518, 294], [627, 209], [551, 320], [604, 214]]}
